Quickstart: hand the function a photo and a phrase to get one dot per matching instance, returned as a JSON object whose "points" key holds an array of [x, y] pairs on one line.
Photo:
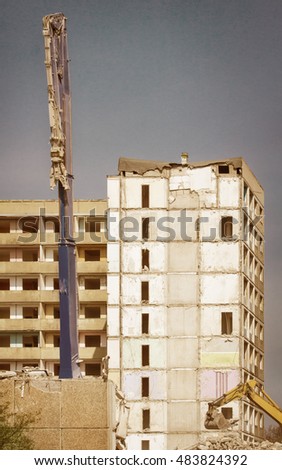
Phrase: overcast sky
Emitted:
{"points": [[151, 79]]}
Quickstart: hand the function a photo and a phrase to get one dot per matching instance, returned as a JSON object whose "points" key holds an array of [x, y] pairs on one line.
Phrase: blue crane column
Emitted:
{"points": [[56, 55]]}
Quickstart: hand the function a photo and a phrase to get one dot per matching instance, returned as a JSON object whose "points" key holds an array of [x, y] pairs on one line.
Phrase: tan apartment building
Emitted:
{"points": [[185, 295], [29, 295]]}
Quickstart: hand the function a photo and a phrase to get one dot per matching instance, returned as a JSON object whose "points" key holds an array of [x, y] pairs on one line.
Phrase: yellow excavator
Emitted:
{"points": [[252, 390]]}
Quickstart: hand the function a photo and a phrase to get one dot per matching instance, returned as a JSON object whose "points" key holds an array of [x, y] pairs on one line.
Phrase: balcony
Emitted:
{"points": [[12, 238], [20, 324], [89, 267], [259, 343], [30, 267], [259, 373], [93, 295], [29, 296], [90, 238], [19, 354], [259, 284], [48, 354], [259, 313], [259, 254], [92, 353], [92, 324], [51, 324]]}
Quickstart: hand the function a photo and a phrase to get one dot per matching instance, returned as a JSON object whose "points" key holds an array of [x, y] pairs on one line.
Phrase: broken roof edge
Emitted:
{"points": [[141, 166]]}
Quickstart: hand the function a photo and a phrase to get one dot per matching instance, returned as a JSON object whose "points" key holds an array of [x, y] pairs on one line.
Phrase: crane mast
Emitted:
{"points": [[59, 101]]}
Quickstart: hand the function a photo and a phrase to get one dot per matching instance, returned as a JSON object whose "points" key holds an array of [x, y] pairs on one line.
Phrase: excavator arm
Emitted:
{"points": [[252, 390]]}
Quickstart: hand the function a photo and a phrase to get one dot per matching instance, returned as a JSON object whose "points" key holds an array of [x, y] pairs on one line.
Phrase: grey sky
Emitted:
{"points": [[151, 79]]}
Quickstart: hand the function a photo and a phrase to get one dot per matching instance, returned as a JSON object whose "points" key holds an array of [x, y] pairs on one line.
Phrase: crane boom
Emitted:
{"points": [[59, 101], [250, 389]]}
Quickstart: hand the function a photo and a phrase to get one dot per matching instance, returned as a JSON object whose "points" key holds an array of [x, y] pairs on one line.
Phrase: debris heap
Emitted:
{"points": [[234, 442]]}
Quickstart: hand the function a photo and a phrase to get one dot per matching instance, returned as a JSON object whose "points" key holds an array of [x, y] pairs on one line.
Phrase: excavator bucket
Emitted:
{"points": [[216, 420]]}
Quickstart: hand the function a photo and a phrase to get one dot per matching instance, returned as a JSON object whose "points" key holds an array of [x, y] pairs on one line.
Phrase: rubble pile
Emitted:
{"points": [[233, 442]]}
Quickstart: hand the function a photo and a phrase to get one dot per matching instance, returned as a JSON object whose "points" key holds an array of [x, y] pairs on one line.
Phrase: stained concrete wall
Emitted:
{"points": [[69, 414], [132, 317], [194, 276], [133, 386]]}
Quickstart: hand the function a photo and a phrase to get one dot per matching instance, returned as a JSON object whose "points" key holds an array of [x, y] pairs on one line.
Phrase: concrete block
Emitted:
{"points": [[182, 289], [182, 384], [183, 417], [182, 352], [182, 321], [84, 404], [182, 257], [86, 439], [45, 438], [41, 399]]}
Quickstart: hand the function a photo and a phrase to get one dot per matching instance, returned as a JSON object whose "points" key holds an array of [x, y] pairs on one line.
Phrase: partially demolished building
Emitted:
{"points": [[185, 295], [177, 278]]}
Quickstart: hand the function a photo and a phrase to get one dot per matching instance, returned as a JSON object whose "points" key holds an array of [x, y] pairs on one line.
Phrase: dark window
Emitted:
{"points": [[30, 312], [145, 355], [93, 369], [5, 366], [4, 312], [4, 254], [29, 224], [145, 195], [145, 259], [4, 341], [226, 323], [145, 228], [4, 226], [223, 168], [92, 312], [30, 284], [92, 341], [4, 284], [92, 226], [145, 444], [227, 412], [226, 228], [56, 369], [30, 341], [56, 284], [92, 255], [145, 291], [92, 283], [145, 419], [56, 312], [30, 255], [145, 323], [145, 387], [56, 341]]}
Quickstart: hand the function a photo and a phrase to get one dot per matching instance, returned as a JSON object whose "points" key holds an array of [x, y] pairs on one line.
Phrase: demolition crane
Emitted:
{"points": [[59, 101]]}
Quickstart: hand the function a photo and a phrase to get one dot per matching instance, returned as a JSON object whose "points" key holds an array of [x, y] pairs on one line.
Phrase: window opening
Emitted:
{"points": [[145, 355], [145, 195], [226, 323]]}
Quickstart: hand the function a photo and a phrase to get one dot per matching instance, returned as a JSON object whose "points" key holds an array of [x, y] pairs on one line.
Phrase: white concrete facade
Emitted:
{"points": [[185, 295]]}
